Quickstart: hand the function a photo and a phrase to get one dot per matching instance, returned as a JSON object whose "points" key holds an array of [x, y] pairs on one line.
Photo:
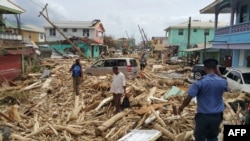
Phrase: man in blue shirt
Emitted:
{"points": [[210, 106], [76, 70]]}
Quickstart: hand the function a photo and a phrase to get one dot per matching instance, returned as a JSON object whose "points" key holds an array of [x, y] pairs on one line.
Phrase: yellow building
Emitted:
{"points": [[29, 32], [159, 43], [32, 33]]}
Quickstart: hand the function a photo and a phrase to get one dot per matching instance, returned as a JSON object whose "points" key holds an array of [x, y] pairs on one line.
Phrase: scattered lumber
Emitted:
{"points": [[47, 109], [110, 122]]}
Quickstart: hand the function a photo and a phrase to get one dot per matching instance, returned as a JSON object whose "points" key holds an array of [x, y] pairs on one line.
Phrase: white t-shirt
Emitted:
{"points": [[118, 83]]}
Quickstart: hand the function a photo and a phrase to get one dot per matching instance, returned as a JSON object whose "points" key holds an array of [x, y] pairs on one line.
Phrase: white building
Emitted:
{"points": [[92, 29]]}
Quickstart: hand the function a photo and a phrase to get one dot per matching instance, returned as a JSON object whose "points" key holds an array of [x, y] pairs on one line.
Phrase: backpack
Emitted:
{"points": [[76, 70]]}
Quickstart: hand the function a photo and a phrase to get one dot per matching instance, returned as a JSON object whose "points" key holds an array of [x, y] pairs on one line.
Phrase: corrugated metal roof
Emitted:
{"points": [[20, 51], [13, 24], [72, 24], [199, 47], [10, 8], [34, 28], [210, 9], [197, 24]]}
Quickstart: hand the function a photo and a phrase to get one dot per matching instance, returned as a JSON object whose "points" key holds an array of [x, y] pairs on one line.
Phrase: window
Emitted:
{"points": [[161, 41], [121, 62], [85, 32], [180, 32], [100, 35], [99, 64], [246, 77], [235, 76], [133, 62], [52, 32], [195, 30], [109, 63], [41, 36], [230, 75], [206, 32], [65, 30], [243, 13], [74, 30]]}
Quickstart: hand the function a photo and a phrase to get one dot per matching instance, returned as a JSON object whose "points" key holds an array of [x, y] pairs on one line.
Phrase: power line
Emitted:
{"points": [[37, 4]]}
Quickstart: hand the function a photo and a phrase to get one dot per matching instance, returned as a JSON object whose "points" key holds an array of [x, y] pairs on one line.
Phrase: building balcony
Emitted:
{"points": [[9, 36], [236, 34]]}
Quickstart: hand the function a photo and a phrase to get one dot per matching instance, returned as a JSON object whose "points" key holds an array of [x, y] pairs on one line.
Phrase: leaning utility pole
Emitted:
{"points": [[128, 39], [127, 34], [145, 36], [142, 37], [80, 53]]}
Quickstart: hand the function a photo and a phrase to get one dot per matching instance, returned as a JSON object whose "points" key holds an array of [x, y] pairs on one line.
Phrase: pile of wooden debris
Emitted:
{"points": [[46, 108]]}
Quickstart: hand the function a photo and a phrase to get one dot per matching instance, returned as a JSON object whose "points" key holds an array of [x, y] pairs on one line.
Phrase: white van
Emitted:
{"points": [[128, 66]]}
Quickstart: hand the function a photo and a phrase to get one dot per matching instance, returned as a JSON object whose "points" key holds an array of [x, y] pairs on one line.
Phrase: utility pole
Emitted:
{"points": [[142, 37], [145, 36], [189, 28], [127, 34], [128, 39], [54, 26], [206, 32]]}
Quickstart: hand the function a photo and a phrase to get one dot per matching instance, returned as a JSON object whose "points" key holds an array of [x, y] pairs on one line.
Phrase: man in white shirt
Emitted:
{"points": [[118, 87]]}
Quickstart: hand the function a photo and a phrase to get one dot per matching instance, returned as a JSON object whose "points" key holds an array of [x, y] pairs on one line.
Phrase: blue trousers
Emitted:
{"points": [[207, 126]]}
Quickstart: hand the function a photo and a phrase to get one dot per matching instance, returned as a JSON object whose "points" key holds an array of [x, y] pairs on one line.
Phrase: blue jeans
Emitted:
{"points": [[207, 126]]}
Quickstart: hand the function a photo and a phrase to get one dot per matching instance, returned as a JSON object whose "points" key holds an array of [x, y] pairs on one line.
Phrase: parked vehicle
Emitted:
{"points": [[238, 79], [199, 70], [102, 67], [175, 60]]}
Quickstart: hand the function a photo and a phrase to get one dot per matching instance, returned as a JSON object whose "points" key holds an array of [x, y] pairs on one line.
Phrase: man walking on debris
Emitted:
{"points": [[210, 106], [118, 87], [76, 70], [143, 61]]}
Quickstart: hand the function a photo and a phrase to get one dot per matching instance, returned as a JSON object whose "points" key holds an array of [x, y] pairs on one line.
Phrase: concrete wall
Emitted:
{"points": [[87, 49], [95, 34], [182, 40], [68, 34]]}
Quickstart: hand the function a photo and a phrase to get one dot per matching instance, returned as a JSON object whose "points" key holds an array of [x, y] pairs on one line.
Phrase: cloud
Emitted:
{"points": [[55, 10], [119, 16]]}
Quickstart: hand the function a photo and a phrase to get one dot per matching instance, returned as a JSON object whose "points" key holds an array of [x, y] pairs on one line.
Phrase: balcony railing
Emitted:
{"points": [[243, 27], [9, 36]]}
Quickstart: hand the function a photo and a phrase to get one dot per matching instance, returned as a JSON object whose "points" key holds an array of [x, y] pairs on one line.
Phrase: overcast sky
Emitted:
{"points": [[119, 16]]}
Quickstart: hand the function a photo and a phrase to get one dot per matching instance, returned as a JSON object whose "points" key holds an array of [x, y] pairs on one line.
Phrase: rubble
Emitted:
{"points": [[45, 108]]}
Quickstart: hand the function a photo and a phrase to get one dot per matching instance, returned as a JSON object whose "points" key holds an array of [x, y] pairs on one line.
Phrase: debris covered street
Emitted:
{"points": [[124, 70], [46, 109]]}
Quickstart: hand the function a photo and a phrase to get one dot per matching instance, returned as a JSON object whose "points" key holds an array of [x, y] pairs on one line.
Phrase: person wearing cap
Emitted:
{"points": [[210, 106], [118, 87]]}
